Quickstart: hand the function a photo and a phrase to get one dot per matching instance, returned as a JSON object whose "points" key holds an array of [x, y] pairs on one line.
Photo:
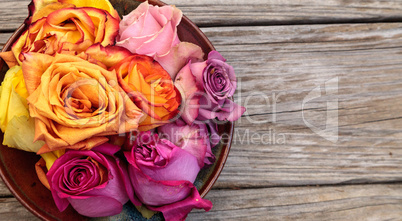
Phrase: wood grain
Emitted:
{"points": [[13, 14], [359, 202], [4, 192], [285, 63], [274, 12], [355, 202], [3, 38], [255, 12], [11, 209]]}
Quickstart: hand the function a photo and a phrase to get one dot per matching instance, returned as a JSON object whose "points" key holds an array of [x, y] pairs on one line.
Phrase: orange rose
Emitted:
{"points": [[65, 29], [75, 103], [151, 89], [149, 86]]}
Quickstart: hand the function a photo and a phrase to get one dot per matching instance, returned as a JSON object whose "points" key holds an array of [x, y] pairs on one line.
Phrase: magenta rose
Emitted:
{"points": [[219, 82], [92, 181], [152, 30], [162, 176], [193, 139]]}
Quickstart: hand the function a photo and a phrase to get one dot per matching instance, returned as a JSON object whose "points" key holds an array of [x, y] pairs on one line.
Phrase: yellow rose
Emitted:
{"points": [[75, 103], [18, 127]]}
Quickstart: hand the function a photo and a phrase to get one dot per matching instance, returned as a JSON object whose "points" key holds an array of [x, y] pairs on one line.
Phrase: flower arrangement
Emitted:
{"points": [[119, 109]]}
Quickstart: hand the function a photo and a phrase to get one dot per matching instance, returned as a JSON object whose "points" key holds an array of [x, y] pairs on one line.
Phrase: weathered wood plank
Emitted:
{"points": [[256, 12], [273, 145], [3, 38], [355, 202], [360, 202], [4, 192], [11, 209], [13, 14], [213, 13]]}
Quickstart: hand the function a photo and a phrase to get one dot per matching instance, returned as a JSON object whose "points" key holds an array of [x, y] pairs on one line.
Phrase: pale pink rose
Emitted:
{"points": [[152, 30]]}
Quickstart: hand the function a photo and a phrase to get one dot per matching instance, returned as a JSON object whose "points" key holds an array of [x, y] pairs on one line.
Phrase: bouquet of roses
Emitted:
{"points": [[119, 109]]}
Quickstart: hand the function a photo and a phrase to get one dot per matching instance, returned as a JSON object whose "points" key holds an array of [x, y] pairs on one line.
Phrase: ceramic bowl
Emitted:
{"points": [[17, 167]]}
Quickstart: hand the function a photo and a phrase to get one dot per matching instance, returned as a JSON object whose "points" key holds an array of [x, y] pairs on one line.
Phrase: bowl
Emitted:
{"points": [[17, 167]]}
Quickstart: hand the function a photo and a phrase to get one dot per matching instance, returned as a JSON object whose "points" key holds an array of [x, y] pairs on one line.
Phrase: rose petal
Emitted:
{"points": [[109, 55], [213, 128], [107, 149], [180, 210], [96, 206], [230, 111], [9, 58], [178, 56], [216, 55], [47, 9], [100, 4], [160, 44], [34, 66], [156, 193], [84, 145], [197, 69], [40, 168], [186, 84], [182, 166], [193, 139]]}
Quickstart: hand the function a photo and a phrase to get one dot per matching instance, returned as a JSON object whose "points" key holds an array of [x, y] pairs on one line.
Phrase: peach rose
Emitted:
{"points": [[144, 80], [75, 103], [151, 89], [66, 30]]}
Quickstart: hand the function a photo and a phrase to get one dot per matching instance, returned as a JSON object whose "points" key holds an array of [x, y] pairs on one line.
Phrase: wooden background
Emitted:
{"points": [[278, 168]]}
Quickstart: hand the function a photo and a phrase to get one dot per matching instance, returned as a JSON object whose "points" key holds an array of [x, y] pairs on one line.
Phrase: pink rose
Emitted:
{"points": [[219, 82], [193, 139], [162, 176], [206, 89], [152, 30], [92, 181]]}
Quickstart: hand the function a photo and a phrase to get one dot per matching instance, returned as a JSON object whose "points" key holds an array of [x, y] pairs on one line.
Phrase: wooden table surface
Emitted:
{"points": [[322, 84]]}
